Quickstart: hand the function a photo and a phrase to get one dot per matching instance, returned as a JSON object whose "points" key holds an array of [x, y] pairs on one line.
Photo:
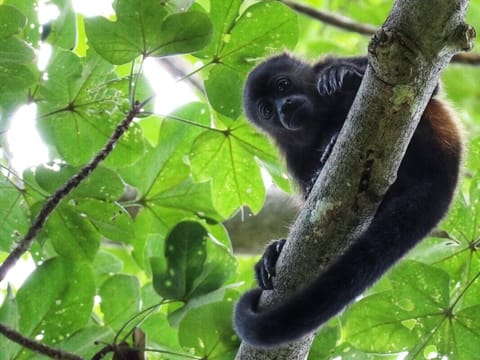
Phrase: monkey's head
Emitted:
{"points": [[280, 97]]}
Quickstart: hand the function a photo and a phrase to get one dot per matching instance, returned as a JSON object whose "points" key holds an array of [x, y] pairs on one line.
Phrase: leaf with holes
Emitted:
{"points": [[56, 299]]}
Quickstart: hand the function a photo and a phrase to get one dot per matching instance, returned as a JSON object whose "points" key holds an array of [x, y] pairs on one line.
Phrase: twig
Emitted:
{"points": [[466, 59], [341, 22], [345, 23], [36, 346], [63, 191]]}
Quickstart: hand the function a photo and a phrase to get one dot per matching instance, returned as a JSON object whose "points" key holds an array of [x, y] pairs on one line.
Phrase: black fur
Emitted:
{"points": [[304, 108]]}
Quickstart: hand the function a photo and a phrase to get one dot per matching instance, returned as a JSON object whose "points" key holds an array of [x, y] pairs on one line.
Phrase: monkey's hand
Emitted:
{"points": [[265, 267], [334, 77]]}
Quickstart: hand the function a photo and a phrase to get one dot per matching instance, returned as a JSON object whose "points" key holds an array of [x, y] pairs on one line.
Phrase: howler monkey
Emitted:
{"points": [[303, 108]]}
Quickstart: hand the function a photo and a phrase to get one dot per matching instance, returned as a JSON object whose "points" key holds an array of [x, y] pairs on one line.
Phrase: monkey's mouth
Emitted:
{"points": [[292, 120]]}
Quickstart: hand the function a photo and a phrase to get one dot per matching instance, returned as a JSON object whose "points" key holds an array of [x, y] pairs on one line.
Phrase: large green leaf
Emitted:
{"points": [[252, 37], [185, 201], [239, 43], [63, 28], [14, 219], [84, 342], [192, 264], [81, 111], [418, 315], [102, 184], [217, 87], [208, 329], [16, 55], [120, 299], [164, 166], [30, 33], [143, 27], [12, 21], [9, 317], [110, 219], [72, 235], [229, 159], [56, 299], [223, 15]]}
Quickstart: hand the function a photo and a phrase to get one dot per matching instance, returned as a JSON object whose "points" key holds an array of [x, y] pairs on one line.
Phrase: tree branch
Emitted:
{"points": [[345, 23], [66, 189], [36, 346], [406, 57]]}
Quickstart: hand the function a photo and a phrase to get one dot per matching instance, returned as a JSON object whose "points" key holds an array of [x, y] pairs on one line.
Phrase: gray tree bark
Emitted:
{"points": [[406, 57]]}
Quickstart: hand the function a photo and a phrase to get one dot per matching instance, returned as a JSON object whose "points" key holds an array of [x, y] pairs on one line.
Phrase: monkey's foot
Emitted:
{"points": [[265, 267]]}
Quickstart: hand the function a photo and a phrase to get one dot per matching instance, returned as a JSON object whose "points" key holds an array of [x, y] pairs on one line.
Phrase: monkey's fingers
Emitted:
{"points": [[265, 268]]}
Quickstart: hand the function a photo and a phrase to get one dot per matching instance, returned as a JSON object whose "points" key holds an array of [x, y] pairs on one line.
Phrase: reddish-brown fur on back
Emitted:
{"points": [[445, 125]]}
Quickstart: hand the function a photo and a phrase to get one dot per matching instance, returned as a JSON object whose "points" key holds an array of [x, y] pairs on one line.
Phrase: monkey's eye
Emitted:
{"points": [[283, 84], [266, 110]]}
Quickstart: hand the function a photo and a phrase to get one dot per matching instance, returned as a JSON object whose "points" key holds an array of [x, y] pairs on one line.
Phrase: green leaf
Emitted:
{"points": [[122, 41], [110, 219], [163, 211], [325, 341], [221, 81], [64, 27], [466, 332], [15, 51], [82, 343], [103, 183], [405, 317], [223, 15], [120, 299], [208, 329], [473, 158], [252, 37], [14, 77], [163, 166], [56, 299], [65, 71], [160, 332], [229, 160], [192, 264], [14, 220], [106, 263], [12, 21], [71, 234], [29, 8], [143, 28], [186, 199], [9, 317], [16, 58], [82, 111], [183, 33]]}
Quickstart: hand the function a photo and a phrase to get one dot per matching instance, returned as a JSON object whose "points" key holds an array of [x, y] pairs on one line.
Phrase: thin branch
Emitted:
{"points": [[36, 346], [345, 23], [53, 201], [336, 20], [466, 59]]}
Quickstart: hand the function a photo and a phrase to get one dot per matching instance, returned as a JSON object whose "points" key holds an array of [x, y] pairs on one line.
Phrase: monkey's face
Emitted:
{"points": [[279, 95]]}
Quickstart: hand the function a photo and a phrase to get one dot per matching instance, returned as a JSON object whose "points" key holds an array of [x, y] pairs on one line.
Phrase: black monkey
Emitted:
{"points": [[303, 108]]}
